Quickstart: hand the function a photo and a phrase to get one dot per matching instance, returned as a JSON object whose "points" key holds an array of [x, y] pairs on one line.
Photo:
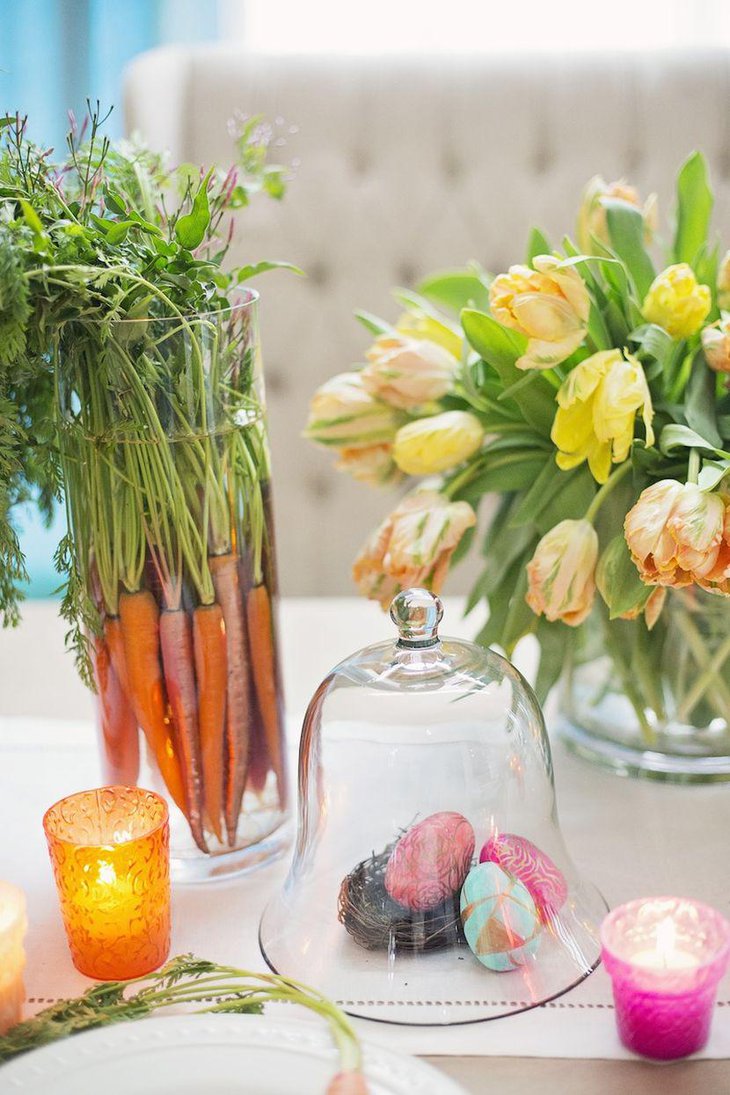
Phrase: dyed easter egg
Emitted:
{"points": [[536, 871], [499, 917], [430, 861]]}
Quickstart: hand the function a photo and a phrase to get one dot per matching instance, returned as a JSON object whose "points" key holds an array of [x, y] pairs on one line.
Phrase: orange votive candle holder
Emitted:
{"points": [[13, 924], [110, 854]]}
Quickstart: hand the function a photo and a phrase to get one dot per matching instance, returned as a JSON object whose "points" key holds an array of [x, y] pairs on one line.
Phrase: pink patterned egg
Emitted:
{"points": [[535, 870], [430, 862]]}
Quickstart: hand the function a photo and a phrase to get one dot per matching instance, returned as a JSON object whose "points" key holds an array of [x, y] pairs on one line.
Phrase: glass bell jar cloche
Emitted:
{"points": [[430, 883]]}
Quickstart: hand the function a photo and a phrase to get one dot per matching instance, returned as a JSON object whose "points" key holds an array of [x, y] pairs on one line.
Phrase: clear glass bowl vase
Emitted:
{"points": [[167, 474], [654, 703]]}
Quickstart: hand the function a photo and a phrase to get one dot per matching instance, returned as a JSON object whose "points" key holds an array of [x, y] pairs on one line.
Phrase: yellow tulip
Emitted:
{"points": [[373, 465], [716, 344], [597, 407], [677, 302], [421, 325], [675, 533], [592, 224], [413, 546], [723, 283], [561, 573], [549, 305], [435, 444], [407, 372], [343, 413]]}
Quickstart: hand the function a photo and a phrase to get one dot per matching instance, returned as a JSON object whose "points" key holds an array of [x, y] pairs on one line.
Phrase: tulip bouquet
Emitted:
{"points": [[588, 388]]}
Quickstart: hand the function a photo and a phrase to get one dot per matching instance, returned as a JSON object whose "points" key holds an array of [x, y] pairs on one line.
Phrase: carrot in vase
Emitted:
{"points": [[140, 624], [117, 722], [178, 660], [115, 644], [259, 764], [226, 581], [264, 665], [211, 671]]}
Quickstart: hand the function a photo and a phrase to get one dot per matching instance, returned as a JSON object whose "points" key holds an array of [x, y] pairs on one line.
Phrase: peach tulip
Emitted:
{"points": [[342, 413], [592, 223], [561, 573], [408, 372], [716, 344], [373, 465], [413, 546], [548, 304], [674, 533]]}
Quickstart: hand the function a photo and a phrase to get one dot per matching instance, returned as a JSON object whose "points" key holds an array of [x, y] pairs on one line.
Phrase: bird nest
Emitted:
{"points": [[377, 922]]}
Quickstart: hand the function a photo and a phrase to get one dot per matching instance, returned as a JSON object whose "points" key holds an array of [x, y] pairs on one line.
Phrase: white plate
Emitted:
{"points": [[209, 1055]]}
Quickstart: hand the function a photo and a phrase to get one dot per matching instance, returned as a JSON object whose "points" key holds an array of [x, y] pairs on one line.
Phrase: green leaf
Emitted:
{"points": [[114, 201], [508, 471], [243, 273], [500, 348], [374, 324], [33, 220], [576, 493], [547, 484], [700, 405], [694, 209], [537, 244], [555, 641], [521, 620], [190, 229], [457, 289], [498, 345], [675, 436], [597, 330], [626, 232], [654, 341], [712, 474], [618, 579]]}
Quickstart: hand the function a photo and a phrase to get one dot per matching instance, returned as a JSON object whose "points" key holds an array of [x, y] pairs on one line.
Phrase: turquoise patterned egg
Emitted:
{"points": [[500, 919]]}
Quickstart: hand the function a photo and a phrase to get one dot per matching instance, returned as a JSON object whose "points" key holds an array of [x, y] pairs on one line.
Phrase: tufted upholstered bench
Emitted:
{"points": [[405, 165]]}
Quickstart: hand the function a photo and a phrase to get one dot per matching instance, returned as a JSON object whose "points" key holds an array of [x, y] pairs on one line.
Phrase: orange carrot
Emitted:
{"points": [[140, 620], [211, 670], [264, 665], [115, 643], [117, 724], [224, 569], [178, 660]]}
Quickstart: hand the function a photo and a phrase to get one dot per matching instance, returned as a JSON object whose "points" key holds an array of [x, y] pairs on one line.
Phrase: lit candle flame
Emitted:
{"points": [[666, 940]]}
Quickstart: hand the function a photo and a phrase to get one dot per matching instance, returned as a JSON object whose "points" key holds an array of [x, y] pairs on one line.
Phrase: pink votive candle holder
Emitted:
{"points": [[665, 957]]}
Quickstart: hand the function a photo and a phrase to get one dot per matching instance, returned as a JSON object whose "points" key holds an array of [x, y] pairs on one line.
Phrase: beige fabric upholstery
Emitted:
{"points": [[407, 165]]}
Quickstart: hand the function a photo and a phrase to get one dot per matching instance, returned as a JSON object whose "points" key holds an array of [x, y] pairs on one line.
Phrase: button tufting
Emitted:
{"points": [[407, 274], [320, 486]]}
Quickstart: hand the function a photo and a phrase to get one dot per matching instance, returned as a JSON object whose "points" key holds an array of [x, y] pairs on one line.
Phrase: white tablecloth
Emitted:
{"points": [[632, 838]]}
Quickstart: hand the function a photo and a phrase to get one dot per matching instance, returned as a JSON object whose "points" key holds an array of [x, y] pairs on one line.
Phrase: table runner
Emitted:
{"points": [[632, 838]]}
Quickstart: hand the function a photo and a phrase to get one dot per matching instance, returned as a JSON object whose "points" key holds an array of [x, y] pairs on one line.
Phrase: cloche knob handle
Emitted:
{"points": [[417, 614]]}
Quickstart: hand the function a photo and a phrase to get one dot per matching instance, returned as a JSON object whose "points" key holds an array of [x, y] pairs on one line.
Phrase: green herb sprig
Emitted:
{"points": [[184, 980]]}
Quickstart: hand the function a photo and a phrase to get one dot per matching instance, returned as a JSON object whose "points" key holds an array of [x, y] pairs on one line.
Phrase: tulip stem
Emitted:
{"points": [[601, 495], [693, 471]]}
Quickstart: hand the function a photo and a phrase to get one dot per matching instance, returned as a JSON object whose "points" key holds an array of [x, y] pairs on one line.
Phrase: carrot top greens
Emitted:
{"points": [[115, 326]]}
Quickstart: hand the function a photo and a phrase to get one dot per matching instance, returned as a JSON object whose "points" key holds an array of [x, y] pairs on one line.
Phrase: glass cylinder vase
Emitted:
{"points": [[654, 703], [167, 477]]}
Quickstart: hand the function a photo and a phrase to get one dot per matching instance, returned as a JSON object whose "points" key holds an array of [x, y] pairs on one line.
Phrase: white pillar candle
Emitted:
{"points": [[12, 954]]}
